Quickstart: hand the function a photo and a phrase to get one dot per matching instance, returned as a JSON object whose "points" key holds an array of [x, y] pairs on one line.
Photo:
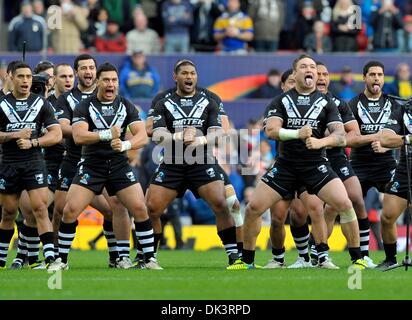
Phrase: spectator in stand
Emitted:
{"points": [[346, 88], [89, 37], [38, 8], [204, 16], [385, 23], [141, 37], [401, 86], [309, 12], [288, 38], [121, 11], [271, 88], [74, 21], [138, 79], [151, 9], [317, 41], [405, 35], [177, 20], [268, 17], [27, 27], [343, 33], [113, 40], [233, 29]]}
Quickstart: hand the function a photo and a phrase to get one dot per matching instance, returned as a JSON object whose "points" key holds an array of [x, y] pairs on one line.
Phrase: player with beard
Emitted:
{"points": [[23, 168], [293, 118], [85, 70], [182, 123], [231, 198], [99, 125], [373, 164]]}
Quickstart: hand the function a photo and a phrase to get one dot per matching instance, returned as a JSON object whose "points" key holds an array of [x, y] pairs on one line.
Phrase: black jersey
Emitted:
{"points": [[203, 91], [54, 152], [400, 122], [346, 115], [65, 106], [102, 116], [34, 112], [297, 110], [176, 113], [372, 116]]}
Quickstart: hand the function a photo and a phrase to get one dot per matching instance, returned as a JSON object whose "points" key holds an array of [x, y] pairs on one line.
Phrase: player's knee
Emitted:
{"points": [[9, 214], [347, 216], [219, 206], [343, 204], [39, 209], [388, 219], [69, 213], [252, 210], [153, 209], [139, 210]]}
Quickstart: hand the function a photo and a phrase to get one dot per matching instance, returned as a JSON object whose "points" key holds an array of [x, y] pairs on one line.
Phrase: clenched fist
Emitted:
{"points": [[313, 143], [189, 135], [116, 145], [24, 144], [305, 132], [24, 133], [116, 131]]}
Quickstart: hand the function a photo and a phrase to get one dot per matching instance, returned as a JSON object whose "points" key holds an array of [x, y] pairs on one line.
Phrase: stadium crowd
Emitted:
{"points": [[224, 26]]}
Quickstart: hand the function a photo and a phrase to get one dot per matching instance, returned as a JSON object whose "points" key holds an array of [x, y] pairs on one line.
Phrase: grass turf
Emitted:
{"points": [[191, 275]]}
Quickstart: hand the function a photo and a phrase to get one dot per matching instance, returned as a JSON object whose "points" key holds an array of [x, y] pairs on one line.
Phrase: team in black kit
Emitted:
{"points": [[69, 148]]}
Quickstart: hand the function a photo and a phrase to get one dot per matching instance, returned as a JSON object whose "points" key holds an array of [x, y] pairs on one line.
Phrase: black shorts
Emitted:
{"points": [[53, 167], [376, 175], [67, 171], [398, 185], [17, 177], [223, 175], [286, 177], [342, 167], [181, 177], [113, 175]]}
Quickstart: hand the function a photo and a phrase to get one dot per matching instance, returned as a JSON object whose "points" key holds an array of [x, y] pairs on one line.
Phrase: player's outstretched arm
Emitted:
{"points": [[335, 139], [53, 136]]}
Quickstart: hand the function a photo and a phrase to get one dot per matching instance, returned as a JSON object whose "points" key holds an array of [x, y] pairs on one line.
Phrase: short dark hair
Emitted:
{"points": [[181, 63], [10, 66], [320, 63], [285, 75], [273, 72], [43, 66], [302, 56], [104, 67], [82, 57], [371, 64], [20, 65], [56, 67]]}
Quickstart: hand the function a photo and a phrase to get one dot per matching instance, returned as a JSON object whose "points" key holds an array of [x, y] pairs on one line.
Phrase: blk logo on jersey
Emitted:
{"points": [[395, 186], [211, 172], [160, 176], [85, 178], [39, 178], [345, 171], [322, 168], [130, 176]]}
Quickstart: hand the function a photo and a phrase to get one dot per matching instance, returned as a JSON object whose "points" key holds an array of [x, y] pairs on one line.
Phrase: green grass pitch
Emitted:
{"points": [[191, 275]]}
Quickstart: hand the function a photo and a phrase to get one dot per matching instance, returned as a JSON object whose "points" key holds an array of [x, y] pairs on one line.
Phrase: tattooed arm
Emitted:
{"points": [[336, 138]]}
